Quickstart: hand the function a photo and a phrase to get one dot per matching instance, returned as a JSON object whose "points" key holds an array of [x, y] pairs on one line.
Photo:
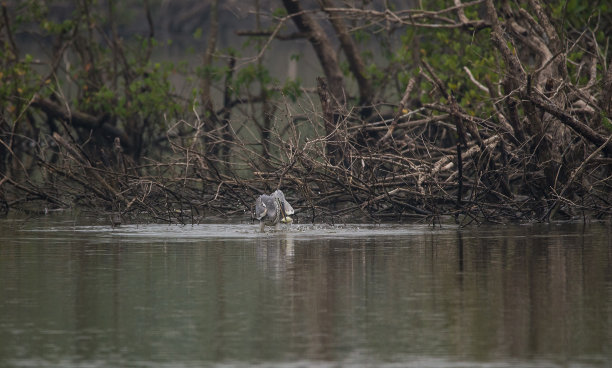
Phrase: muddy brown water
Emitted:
{"points": [[350, 295]]}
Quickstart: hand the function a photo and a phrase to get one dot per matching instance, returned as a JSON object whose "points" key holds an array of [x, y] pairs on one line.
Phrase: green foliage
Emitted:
{"points": [[344, 66], [279, 12], [91, 77], [211, 72], [375, 73], [128, 85], [18, 83], [575, 14], [253, 73], [449, 51], [361, 36], [197, 34], [292, 89], [606, 122]]}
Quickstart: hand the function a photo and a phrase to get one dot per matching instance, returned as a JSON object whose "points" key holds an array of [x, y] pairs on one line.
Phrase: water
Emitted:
{"points": [[81, 295]]}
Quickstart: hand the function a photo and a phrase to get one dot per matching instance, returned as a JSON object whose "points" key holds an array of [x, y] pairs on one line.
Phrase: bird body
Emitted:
{"points": [[273, 209]]}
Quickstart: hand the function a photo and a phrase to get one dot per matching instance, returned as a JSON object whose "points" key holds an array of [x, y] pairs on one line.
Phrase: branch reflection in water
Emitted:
{"points": [[317, 295]]}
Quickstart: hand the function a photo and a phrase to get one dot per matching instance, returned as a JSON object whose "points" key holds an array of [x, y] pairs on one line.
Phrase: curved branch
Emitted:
{"points": [[81, 119], [582, 129], [325, 52], [352, 55]]}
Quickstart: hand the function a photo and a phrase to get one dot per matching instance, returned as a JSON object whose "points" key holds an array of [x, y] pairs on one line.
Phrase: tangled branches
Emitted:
{"points": [[520, 133]]}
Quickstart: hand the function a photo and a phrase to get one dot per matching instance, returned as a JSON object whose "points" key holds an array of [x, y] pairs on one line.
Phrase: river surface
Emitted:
{"points": [[353, 295]]}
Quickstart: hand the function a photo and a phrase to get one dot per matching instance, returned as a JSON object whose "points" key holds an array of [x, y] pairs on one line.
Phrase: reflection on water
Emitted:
{"points": [[350, 295]]}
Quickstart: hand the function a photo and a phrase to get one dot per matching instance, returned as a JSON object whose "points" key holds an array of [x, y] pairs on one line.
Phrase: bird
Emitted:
{"points": [[273, 209]]}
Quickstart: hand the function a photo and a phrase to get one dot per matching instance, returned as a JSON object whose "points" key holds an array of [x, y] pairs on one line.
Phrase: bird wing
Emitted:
{"points": [[260, 208], [287, 208]]}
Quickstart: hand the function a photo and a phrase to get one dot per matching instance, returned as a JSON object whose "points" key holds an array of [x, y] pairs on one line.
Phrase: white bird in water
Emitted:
{"points": [[273, 209]]}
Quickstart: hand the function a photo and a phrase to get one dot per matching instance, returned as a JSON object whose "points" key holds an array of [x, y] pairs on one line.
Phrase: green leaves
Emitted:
{"points": [[197, 34], [251, 74], [605, 121], [292, 89], [279, 12]]}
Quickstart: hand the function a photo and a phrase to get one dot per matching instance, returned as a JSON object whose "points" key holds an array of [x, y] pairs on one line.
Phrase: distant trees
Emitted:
{"points": [[483, 110]]}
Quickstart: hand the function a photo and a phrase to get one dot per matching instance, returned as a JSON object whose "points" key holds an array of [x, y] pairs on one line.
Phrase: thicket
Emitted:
{"points": [[482, 110]]}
